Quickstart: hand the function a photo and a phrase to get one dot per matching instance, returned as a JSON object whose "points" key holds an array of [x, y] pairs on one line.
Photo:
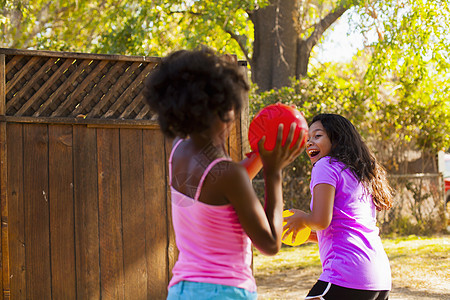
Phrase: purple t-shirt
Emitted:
{"points": [[350, 248]]}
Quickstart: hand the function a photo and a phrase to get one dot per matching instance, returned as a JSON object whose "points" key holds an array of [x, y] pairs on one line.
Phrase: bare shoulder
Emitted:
{"points": [[229, 175], [223, 178], [229, 170]]}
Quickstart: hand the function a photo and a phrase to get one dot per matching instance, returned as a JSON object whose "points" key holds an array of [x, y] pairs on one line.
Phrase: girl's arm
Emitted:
{"points": [[252, 163], [262, 224], [320, 216]]}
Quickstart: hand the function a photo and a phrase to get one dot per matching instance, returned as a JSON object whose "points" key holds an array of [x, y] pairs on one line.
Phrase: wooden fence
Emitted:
{"points": [[85, 204]]}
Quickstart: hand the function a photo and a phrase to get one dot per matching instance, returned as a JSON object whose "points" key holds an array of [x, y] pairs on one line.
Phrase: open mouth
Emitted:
{"points": [[313, 153]]}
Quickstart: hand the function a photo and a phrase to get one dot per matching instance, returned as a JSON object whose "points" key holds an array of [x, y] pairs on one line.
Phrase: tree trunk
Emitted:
{"points": [[278, 51], [274, 49]]}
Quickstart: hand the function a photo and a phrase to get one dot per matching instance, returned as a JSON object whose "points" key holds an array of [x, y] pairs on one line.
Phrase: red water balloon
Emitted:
{"points": [[266, 122]]}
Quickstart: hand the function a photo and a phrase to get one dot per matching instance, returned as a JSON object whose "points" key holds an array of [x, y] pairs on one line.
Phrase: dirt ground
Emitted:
{"points": [[295, 284]]}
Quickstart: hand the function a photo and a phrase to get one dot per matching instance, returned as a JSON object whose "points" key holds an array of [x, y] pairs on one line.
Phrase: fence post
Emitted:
{"points": [[4, 251]]}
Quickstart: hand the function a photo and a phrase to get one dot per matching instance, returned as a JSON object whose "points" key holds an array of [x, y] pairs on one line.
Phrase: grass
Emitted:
{"points": [[420, 262], [417, 264]]}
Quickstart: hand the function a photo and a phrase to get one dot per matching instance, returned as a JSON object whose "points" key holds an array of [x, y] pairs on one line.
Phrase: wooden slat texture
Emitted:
{"points": [[132, 106], [71, 85], [172, 254], [37, 235], [133, 213], [244, 116], [13, 62], [4, 255], [86, 212], [121, 101], [110, 216], [2, 84], [85, 200], [77, 55], [114, 93], [16, 211], [36, 98], [172, 251], [23, 71], [109, 123], [30, 85], [143, 112], [62, 88], [80, 89], [104, 83], [4, 284], [234, 145], [156, 211], [61, 212]]}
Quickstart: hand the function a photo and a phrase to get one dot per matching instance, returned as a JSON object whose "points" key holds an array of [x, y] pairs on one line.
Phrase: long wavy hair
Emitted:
{"points": [[348, 147]]}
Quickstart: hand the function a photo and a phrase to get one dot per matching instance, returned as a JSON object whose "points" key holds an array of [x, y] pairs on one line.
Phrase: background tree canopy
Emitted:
{"points": [[396, 90]]}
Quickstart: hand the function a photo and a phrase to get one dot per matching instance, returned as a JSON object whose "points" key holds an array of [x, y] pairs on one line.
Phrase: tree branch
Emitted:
{"points": [[239, 40], [185, 11], [324, 24], [304, 47]]}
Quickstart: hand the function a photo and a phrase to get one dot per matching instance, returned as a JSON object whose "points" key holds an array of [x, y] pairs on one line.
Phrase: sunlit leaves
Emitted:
{"points": [[127, 27]]}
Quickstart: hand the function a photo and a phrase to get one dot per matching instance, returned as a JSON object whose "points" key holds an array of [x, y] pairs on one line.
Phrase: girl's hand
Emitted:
{"points": [[294, 223], [280, 156]]}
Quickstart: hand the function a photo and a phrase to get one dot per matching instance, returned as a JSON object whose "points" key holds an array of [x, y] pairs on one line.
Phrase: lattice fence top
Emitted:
{"points": [[60, 85]]}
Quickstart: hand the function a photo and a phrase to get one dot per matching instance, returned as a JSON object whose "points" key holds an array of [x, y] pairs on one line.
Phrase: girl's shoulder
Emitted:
{"points": [[328, 164], [223, 177], [328, 161], [227, 168]]}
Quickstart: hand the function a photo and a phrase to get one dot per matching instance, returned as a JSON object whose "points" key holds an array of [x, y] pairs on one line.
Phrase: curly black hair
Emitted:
{"points": [[188, 89], [348, 147]]}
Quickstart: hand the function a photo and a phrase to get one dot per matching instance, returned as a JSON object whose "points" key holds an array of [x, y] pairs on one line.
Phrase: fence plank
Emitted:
{"points": [[61, 212], [133, 213], [110, 217], [172, 247], [78, 55], [15, 198], [4, 255], [37, 246], [5, 267], [244, 114], [172, 251], [86, 212], [156, 210], [2, 84]]}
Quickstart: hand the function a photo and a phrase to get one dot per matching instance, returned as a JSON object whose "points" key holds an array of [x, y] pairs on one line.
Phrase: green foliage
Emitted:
{"points": [[130, 27], [418, 119], [396, 92]]}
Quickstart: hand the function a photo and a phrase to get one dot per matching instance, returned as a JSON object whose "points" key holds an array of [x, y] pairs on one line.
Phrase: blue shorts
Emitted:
{"points": [[187, 290]]}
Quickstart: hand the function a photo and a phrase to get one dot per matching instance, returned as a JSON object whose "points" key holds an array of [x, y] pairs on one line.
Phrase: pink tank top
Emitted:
{"points": [[213, 247]]}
